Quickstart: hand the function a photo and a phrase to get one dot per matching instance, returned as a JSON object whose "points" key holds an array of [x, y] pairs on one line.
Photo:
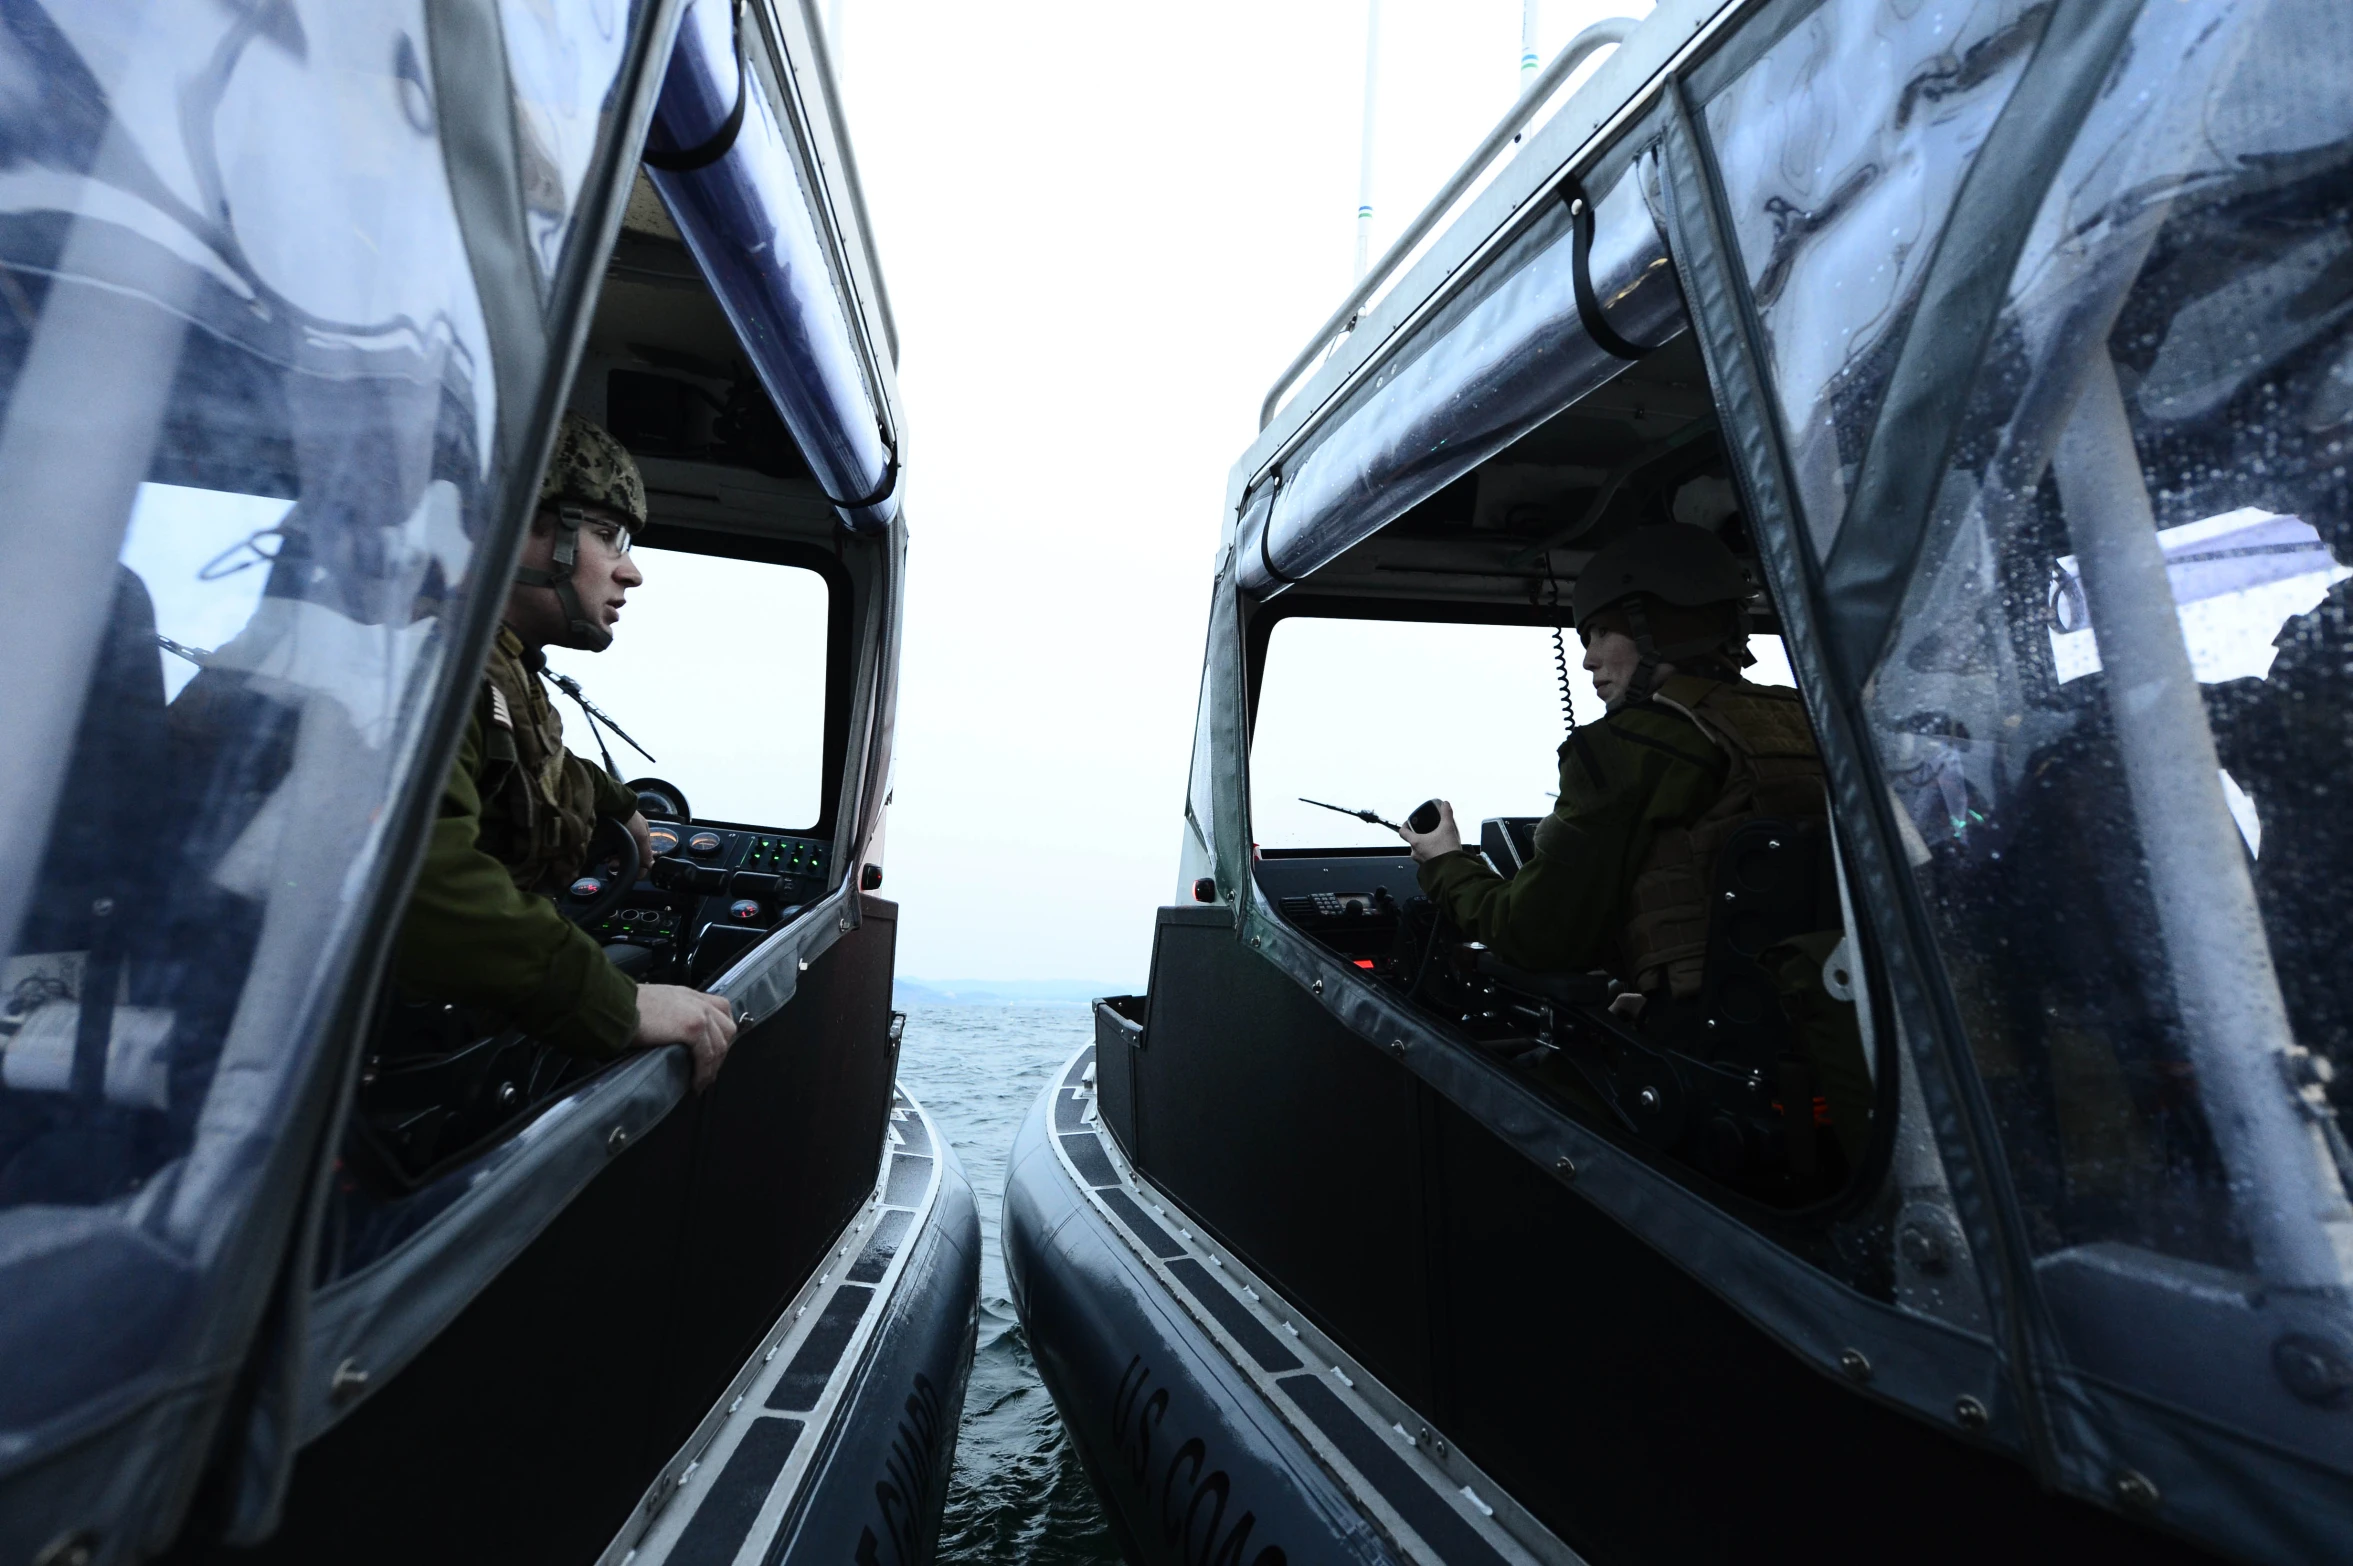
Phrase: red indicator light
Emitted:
{"points": [[1364, 962]]}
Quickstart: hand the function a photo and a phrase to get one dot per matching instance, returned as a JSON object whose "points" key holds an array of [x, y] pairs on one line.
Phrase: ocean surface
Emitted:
{"points": [[1017, 1494]]}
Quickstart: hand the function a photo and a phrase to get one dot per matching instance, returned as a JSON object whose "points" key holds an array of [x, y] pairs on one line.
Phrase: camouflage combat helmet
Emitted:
{"points": [[588, 465], [1671, 564], [587, 468]]}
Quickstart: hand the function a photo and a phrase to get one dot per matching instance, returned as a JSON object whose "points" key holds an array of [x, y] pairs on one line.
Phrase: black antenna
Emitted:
{"points": [[1361, 815], [589, 709]]}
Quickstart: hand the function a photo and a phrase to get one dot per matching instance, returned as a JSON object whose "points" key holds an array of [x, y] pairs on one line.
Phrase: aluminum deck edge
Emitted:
{"points": [[1239, 1299], [736, 1489]]}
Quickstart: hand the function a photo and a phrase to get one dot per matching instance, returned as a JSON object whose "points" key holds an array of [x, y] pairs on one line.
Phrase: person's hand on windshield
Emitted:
{"points": [[1444, 838], [674, 1014]]}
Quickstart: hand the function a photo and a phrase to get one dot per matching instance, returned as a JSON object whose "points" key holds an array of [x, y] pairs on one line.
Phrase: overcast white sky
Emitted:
{"points": [[1105, 228]]}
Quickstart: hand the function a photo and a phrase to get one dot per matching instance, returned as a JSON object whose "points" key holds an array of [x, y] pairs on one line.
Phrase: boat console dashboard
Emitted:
{"points": [[713, 892], [1718, 1080], [1346, 898], [1351, 899]]}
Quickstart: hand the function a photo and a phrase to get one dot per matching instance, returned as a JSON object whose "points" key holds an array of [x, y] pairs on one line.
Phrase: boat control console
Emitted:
{"points": [[1716, 1080], [1346, 898], [713, 892], [1349, 899]]}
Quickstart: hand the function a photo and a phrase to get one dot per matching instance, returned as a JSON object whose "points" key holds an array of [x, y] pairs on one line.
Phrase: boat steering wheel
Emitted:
{"points": [[607, 875]]}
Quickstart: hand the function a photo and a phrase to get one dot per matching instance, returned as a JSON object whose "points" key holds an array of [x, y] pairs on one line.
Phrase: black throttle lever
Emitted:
{"points": [[675, 873]]}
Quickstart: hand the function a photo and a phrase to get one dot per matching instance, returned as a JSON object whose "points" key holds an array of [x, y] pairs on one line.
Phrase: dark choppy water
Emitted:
{"points": [[1017, 1494]]}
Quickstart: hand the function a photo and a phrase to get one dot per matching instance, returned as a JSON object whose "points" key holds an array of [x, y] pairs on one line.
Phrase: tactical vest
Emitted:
{"points": [[538, 805], [1775, 771]]}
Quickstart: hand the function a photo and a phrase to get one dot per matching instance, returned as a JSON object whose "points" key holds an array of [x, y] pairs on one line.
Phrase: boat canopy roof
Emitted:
{"points": [[1489, 316]]}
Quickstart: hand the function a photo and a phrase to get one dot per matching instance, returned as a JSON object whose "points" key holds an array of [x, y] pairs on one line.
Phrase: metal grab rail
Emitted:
{"points": [[1601, 35]]}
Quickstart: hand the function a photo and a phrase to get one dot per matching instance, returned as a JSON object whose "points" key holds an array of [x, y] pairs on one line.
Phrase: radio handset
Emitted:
{"points": [[1424, 817]]}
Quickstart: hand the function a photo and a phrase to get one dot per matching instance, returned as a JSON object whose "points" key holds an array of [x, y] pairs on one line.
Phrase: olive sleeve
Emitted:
{"points": [[615, 800], [471, 937], [1618, 782]]}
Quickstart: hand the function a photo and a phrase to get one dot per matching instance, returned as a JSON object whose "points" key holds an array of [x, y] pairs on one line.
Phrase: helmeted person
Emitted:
{"points": [[1687, 752], [482, 930]]}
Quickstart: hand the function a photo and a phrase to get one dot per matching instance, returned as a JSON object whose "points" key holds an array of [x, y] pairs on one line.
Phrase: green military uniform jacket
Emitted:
{"points": [[1646, 769], [1620, 878], [480, 931]]}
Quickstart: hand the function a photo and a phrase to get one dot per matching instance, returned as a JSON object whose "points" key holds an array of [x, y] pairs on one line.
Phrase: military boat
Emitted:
{"points": [[2008, 347], [292, 296]]}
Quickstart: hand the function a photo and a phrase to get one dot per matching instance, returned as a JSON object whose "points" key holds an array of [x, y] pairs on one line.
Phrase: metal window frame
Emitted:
{"points": [[535, 349], [120, 1477], [2081, 1432], [1725, 322]]}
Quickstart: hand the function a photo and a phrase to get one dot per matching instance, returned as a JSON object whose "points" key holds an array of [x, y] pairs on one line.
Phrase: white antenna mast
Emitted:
{"points": [[1364, 168], [1529, 10]]}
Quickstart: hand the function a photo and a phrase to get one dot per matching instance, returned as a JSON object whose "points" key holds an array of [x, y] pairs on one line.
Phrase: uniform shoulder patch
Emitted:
{"points": [[499, 714]]}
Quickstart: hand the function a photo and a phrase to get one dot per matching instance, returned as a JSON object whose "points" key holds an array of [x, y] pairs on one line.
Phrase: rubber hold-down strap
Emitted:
{"points": [[1597, 326], [1266, 538], [721, 141]]}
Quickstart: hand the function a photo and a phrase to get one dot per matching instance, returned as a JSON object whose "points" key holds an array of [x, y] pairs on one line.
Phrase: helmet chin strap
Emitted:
{"points": [[579, 630], [1644, 683]]}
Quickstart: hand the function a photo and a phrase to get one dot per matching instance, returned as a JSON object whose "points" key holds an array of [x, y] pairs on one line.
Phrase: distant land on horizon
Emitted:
{"points": [[999, 992]]}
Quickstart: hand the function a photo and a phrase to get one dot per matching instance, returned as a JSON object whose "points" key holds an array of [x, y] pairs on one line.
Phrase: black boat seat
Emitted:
{"points": [[1568, 989], [106, 833], [61, 1139], [1775, 880]]}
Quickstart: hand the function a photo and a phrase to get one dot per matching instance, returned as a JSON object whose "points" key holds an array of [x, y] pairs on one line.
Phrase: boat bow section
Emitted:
{"points": [[835, 1441], [1216, 1424]]}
